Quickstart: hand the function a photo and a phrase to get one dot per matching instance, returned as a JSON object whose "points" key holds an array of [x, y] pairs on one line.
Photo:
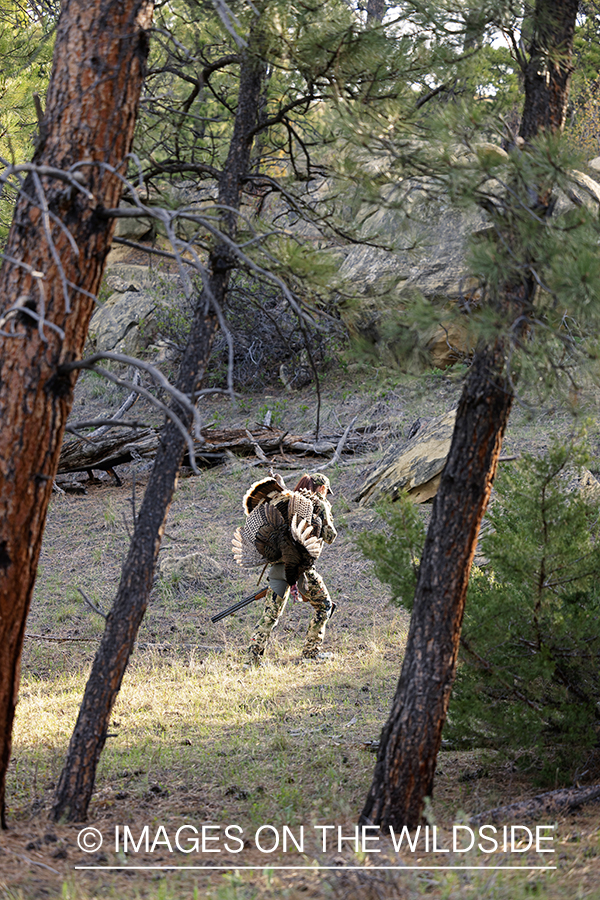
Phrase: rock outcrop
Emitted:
{"points": [[115, 325], [414, 468]]}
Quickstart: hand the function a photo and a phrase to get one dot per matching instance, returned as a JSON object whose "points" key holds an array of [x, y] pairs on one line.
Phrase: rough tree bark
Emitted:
{"points": [[412, 736], [376, 10], [77, 779], [52, 268]]}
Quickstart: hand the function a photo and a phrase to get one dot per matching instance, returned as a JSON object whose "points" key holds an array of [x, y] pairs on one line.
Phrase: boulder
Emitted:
{"points": [[134, 229], [430, 256], [433, 264], [595, 164], [127, 277], [447, 345], [582, 481], [115, 320], [583, 190], [415, 468]]}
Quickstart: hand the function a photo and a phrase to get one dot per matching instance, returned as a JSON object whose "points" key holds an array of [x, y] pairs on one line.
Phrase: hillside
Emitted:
{"points": [[195, 738]]}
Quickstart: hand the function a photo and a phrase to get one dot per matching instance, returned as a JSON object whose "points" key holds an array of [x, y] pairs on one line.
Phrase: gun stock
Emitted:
{"points": [[239, 605]]}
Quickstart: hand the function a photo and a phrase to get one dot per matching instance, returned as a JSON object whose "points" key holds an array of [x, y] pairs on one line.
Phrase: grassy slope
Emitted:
{"points": [[198, 740]]}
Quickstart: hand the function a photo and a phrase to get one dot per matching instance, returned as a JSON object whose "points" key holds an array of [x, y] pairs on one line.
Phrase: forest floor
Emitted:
{"points": [[198, 741]]}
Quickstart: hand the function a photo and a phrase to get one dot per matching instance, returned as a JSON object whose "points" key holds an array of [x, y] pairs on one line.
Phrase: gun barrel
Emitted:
{"points": [[239, 605]]}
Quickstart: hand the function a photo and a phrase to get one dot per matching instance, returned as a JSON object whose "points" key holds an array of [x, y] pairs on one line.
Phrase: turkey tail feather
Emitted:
{"points": [[303, 533], [262, 492], [245, 553]]}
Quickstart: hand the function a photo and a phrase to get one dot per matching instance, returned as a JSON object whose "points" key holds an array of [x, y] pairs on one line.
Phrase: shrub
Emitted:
{"points": [[396, 551], [529, 674], [528, 678], [269, 342]]}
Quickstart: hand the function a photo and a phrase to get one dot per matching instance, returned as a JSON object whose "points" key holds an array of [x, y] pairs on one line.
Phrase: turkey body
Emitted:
{"points": [[281, 527]]}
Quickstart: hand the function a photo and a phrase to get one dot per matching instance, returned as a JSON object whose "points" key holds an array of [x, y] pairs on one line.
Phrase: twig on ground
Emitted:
{"points": [[35, 862], [219, 648], [59, 640], [90, 604]]}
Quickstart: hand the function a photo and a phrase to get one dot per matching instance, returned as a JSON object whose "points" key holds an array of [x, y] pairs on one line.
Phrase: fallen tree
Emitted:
{"points": [[104, 453], [550, 803]]}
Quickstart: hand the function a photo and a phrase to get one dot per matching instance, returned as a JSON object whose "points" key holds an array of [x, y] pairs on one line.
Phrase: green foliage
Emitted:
{"points": [[529, 668], [26, 44], [396, 550], [586, 49], [431, 160], [529, 676], [583, 124], [583, 132]]}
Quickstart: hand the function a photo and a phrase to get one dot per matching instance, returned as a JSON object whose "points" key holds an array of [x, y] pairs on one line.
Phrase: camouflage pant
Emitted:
{"points": [[312, 587]]}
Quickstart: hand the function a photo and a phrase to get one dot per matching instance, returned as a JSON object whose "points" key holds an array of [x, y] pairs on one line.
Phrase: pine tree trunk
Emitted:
{"points": [[376, 10], [548, 72], [77, 779], [54, 260], [412, 736], [76, 782]]}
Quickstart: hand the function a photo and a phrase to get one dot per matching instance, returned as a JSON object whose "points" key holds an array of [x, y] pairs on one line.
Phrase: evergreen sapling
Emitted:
{"points": [[528, 678]]}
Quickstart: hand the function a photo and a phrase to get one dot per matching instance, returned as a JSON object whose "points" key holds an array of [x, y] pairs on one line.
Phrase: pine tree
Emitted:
{"points": [[529, 662], [529, 667], [26, 44], [516, 318], [55, 254]]}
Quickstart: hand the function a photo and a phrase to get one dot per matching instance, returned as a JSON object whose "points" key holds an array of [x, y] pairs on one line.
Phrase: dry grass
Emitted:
{"points": [[196, 739]]}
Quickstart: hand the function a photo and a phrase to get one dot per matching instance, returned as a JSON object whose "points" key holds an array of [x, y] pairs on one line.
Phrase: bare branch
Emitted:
{"points": [[114, 420], [90, 604], [230, 21], [105, 423], [155, 374], [338, 450], [89, 364]]}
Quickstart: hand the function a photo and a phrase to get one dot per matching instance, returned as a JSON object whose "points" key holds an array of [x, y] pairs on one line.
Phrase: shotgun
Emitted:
{"points": [[239, 605]]}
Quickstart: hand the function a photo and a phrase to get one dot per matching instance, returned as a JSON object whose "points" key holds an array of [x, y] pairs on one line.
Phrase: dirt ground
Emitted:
{"points": [[85, 543]]}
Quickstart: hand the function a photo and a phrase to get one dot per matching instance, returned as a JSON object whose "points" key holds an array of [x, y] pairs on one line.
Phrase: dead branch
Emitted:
{"points": [[257, 448], [90, 604], [128, 403], [338, 450], [266, 443], [59, 640], [144, 646], [109, 423]]}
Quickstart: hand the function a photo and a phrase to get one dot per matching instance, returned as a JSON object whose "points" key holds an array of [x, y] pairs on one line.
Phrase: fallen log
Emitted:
{"points": [[216, 444], [107, 451], [549, 803]]}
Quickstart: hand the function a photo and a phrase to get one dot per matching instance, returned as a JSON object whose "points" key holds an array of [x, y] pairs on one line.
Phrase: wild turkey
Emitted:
{"points": [[263, 492], [280, 527]]}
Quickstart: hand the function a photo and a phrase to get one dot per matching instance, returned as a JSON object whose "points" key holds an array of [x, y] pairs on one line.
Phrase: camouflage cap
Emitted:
{"points": [[320, 480]]}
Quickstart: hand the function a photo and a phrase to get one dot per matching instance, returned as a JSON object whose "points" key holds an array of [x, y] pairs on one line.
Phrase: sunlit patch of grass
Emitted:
{"points": [[195, 737], [293, 731]]}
